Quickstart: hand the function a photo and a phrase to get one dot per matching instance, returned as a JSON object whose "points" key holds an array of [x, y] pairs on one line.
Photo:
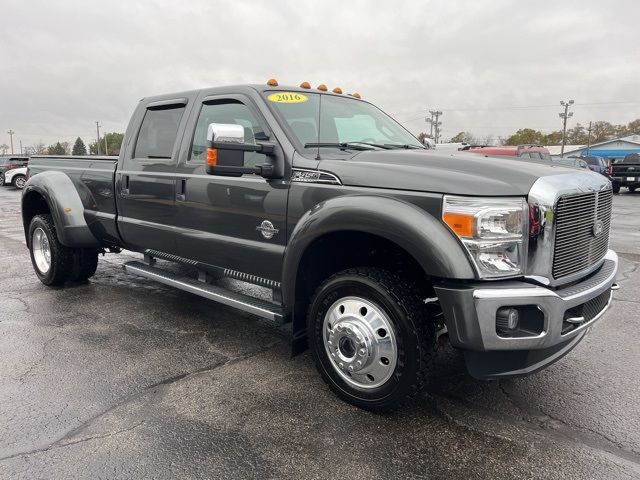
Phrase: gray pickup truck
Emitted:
{"points": [[374, 248]]}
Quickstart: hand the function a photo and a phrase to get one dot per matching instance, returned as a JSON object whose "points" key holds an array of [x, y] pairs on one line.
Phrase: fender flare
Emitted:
{"points": [[65, 205], [420, 234]]}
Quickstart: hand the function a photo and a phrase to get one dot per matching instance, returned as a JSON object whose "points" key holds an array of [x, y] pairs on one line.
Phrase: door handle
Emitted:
{"points": [[124, 191], [181, 195]]}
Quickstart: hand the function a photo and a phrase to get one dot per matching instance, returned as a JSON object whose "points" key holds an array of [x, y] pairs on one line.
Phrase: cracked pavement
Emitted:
{"points": [[120, 377]]}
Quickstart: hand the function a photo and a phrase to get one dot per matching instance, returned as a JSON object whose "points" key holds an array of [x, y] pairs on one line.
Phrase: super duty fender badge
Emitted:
{"points": [[287, 97], [267, 229]]}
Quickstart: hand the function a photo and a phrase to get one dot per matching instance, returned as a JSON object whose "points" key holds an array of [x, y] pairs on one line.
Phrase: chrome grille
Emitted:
{"points": [[576, 246]]}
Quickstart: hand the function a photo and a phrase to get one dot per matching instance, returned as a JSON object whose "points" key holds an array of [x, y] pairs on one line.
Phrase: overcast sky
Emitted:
{"points": [[65, 64]]}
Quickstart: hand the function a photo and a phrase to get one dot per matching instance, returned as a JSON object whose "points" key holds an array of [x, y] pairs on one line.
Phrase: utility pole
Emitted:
{"points": [[106, 145], [11, 132], [430, 122], [21, 147], [436, 123], [98, 142], [589, 141], [564, 116]]}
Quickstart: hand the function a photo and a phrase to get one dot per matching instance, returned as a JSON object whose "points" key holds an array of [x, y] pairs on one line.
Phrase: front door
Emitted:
{"points": [[230, 222]]}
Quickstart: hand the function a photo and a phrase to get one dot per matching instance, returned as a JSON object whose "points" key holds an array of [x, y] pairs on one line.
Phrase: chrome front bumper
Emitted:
{"points": [[470, 310]]}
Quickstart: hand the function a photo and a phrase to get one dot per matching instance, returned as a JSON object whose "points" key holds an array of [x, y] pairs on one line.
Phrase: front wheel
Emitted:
{"points": [[632, 189], [371, 337], [19, 181], [1, 179], [616, 187]]}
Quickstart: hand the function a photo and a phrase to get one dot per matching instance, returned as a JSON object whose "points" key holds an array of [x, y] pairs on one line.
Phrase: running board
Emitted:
{"points": [[151, 255], [256, 306]]}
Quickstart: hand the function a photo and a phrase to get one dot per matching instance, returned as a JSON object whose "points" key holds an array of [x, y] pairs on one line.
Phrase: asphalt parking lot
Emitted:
{"points": [[120, 377]]}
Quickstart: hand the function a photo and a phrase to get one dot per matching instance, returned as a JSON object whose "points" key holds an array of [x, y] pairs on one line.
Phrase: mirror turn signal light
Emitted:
{"points": [[322, 87], [272, 82], [461, 224], [305, 85], [212, 157], [337, 90]]}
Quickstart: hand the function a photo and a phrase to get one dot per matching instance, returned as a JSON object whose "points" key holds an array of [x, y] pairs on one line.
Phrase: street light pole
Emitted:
{"points": [[564, 116], [11, 132]]}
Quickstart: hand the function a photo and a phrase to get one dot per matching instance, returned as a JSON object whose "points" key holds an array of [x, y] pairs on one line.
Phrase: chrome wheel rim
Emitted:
{"points": [[20, 181], [41, 250], [360, 342]]}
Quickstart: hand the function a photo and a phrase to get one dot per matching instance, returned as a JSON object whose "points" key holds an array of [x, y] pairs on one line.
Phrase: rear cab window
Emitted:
{"points": [[158, 132]]}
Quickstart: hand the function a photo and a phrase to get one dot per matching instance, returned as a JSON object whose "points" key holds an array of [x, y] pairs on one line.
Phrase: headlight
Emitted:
{"points": [[492, 229]]}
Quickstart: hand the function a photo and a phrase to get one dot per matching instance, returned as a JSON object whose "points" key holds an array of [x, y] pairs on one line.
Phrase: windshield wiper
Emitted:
{"points": [[406, 146], [346, 145]]}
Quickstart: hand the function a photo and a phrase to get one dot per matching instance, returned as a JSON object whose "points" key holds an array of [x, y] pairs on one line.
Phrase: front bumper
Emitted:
{"points": [[470, 312]]}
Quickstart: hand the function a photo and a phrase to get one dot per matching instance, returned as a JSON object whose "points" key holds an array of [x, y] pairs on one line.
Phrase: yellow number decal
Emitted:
{"points": [[287, 97]]}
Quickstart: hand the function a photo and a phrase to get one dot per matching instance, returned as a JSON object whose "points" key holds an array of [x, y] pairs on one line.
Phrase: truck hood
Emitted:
{"points": [[457, 173]]}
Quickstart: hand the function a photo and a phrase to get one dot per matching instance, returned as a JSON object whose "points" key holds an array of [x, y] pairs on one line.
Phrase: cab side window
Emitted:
{"points": [[227, 111], [158, 132]]}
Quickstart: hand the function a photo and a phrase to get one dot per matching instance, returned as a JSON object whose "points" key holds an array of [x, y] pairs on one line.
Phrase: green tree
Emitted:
{"points": [[56, 149], [465, 137], [79, 148], [110, 144], [524, 136]]}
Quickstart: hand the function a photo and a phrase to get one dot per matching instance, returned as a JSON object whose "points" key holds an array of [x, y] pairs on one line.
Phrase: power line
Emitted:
{"points": [[523, 107]]}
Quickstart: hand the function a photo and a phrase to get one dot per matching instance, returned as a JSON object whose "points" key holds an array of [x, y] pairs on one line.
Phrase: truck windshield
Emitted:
{"points": [[339, 123]]}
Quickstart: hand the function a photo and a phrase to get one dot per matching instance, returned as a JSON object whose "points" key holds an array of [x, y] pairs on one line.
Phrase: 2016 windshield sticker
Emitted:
{"points": [[287, 97]]}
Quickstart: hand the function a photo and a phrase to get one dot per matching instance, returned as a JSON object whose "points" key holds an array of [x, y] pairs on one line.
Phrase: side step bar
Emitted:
{"points": [[256, 306]]}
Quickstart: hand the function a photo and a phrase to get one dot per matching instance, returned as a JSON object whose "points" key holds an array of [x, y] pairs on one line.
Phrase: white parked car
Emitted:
{"points": [[16, 177]]}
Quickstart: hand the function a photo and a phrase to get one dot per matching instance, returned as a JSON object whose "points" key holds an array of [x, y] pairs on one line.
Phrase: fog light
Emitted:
{"points": [[507, 320]]}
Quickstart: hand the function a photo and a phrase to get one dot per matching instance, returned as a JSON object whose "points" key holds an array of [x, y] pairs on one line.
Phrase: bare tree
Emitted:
{"points": [[36, 149], [4, 148]]}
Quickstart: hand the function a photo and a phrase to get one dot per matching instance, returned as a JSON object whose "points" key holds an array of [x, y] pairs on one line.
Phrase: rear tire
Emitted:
{"points": [[371, 337], [85, 264], [19, 181], [52, 261]]}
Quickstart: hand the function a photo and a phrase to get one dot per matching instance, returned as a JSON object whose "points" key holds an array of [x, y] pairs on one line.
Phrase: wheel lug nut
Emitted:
{"points": [[359, 363], [362, 352], [351, 368], [341, 365]]}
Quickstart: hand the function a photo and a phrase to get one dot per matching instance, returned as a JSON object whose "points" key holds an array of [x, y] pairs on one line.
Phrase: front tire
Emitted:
{"points": [[1, 179], [19, 181], [616, 187], [632, 189], [371, 338]]}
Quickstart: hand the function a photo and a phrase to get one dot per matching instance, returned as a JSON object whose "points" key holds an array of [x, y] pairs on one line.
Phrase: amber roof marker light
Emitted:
{"points": [[322, 87], [306, 85], [337, 90], [272, 82], [355, 94]]}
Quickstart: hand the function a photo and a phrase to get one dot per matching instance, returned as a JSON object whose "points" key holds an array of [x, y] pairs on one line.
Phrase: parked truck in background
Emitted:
{"points": [[626, 173], [369, 244]]}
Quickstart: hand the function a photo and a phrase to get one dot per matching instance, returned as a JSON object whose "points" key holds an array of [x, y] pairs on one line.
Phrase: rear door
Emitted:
{"points": [[145, 181]]}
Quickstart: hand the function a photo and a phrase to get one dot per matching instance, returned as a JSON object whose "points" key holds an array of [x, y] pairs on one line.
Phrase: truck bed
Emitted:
{"points": [[93, 177]]}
